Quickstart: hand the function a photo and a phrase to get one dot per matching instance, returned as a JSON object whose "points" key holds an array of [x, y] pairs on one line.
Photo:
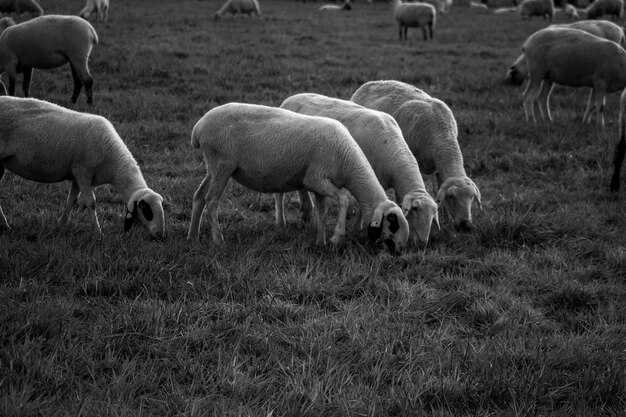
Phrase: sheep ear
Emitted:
{"points": [[375, 228], [130, 218], [393, 222], [146, 210]]}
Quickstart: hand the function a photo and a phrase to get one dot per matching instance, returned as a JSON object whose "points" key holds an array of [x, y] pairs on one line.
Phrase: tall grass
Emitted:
{"points": [[524, 316]]}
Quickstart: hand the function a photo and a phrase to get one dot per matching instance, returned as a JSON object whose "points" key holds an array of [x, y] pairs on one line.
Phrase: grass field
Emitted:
{"points": [[523, 317]]}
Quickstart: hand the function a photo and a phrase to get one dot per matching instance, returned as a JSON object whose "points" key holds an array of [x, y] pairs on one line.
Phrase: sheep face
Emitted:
{"points": [[389, 226], [457, 195], [146, 207], [421, 213]]}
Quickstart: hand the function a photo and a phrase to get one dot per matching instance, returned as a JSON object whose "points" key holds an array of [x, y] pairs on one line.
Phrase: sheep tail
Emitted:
{"points": [[620, 149], [195, 141], [94, 35]]}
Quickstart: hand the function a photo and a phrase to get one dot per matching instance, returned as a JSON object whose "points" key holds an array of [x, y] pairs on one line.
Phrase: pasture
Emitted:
{"points": [[523, 316]]}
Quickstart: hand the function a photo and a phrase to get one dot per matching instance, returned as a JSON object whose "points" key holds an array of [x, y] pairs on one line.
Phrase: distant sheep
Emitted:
{"points": [[570, 11], [43, 142], [541, 8], [599, 8], [101, 7], [380, 138], [574, 58], [236, 7], [422, 15], [274, 150], [21, 6], [620, 148], [441, 6], [430, 130], [518, 72], [334, 7], [48, 42]]}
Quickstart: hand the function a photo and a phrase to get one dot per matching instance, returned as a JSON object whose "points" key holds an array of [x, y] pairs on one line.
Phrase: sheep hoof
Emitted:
{"points": [[336, 240]]}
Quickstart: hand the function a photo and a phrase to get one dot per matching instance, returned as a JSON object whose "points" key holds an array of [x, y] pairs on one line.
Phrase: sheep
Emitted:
{"points": [[421, 15], [571, 12], [518, 71], [235, 7], [101, 7], [21, 6], [273, 150], [48, 42], [44, 142], [430, 130], [530, 8], [440, 5], [5, 22], [599, 8], [333, 7], [574, 58], [620, 148], [380, 138]]}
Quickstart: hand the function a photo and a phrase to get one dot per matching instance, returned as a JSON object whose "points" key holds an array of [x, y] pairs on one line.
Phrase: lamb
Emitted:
{"points": [[380, 138], [101, 7], [620, 148], [430, 130], [43, 142], [334, 7], [599, 8], [530, 8], [421, 15], [21, 6], [48, 42], [574, 58], [273, 150], [571, 12], [601, 28], [235, 7]]}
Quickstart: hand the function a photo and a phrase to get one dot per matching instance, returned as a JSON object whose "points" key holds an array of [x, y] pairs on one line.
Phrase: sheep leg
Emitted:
{"points": [[12, 74], [28, 73], [320, 214], [198, 207], [544, 99], [216, 187], [600, 104], [3, 220], [590, 107], [306, 206], [279, 209], [89, 201], [326, 189], [528, 98], [80, 78], [69, 205]]}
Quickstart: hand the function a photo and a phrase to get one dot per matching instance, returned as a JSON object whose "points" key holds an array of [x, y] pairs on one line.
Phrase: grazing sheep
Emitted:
{"points": [[570, 11], [421, 15], [101, 7], [236, 7], [573, 58], [601, 28], [380, 138], [440, 5], [43, 142], [21, 6], [620, 148], [274, 150], [429, 128], [530, 8], [334, 7], [48, 42], [599, 8]]}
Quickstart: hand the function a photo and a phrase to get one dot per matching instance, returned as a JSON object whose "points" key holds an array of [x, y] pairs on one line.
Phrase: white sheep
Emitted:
{"points": [[43, 142], [380, 138], [518, 72], [334, 8], [422, 15], [570, 11], [273, 150], [542, 8], [599, 8], [440, 5], [236, 7], [101, 7], [620, 148], [48, 42], [430, 130], [574, 58], [21, 6]]}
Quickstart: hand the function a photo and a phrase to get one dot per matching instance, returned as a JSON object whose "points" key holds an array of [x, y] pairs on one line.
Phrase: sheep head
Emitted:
{"points": [[389, 225], [146, 207], [457, 195], [420, 211]]}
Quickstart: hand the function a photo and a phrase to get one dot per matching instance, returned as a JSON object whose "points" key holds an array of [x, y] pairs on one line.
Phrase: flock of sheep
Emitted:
{"points": [[385, 137]]}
